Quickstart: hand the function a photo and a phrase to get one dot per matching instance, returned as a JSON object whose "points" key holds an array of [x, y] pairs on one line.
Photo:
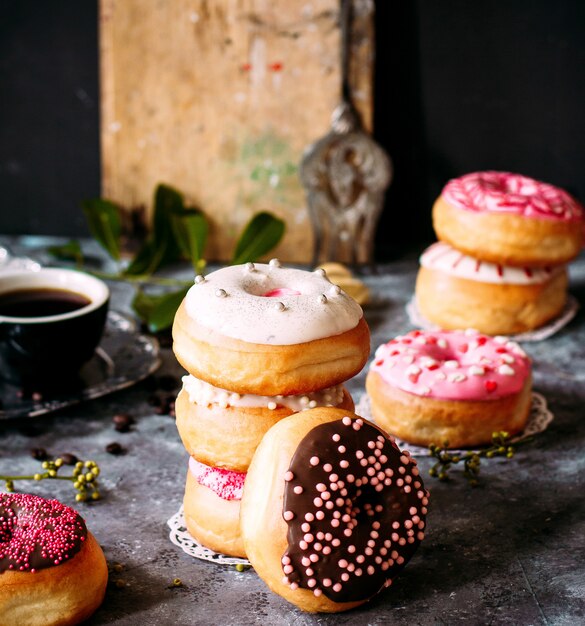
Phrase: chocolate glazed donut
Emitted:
{"points": [[353, 510]]}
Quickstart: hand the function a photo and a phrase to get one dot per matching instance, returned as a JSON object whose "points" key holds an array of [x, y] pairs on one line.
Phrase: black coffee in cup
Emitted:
{"points": [[51, 322], [40, 302]]}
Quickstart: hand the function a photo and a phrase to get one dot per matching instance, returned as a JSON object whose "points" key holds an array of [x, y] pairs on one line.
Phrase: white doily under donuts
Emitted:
{"points": [[544, 332], [179, 535], [538, 421]]}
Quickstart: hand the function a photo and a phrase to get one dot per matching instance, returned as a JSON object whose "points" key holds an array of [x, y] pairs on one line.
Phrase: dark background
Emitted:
{"points": [[460, 86]]}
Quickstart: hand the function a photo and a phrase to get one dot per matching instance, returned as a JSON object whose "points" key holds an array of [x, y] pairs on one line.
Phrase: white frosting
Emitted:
{"points": [[442, 257], [204, 394], [231, 302]]}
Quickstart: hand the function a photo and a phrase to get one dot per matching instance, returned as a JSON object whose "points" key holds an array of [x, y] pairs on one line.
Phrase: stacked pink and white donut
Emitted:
{"points": [[260, 342], [450, 386], [501, 264]]}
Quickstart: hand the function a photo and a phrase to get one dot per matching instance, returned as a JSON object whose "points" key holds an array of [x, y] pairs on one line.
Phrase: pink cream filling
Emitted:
{"points": [[281, 291], [503, 192], [226, 484], [453, 365]]}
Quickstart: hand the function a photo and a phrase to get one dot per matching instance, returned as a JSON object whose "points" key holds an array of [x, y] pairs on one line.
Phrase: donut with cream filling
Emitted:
{"points": [[454, 290], [223, 428], [52, 570], [332, 510], [266, 330], [212, 507], [509, 219], [454, 387]]}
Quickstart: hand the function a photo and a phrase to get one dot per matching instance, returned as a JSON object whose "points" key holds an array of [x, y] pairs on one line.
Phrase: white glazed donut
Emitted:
{"points": [[510, 219], [456, 386], [454, 290], [267, 330]]}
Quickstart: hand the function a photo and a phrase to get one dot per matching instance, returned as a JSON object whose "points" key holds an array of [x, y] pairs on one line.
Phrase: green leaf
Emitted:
{"points": [[147, 260], [70, 251], [160, 247], [170, 236], [143, 304], [158, 311], [262, 233], [191, 228], [103, 219]]}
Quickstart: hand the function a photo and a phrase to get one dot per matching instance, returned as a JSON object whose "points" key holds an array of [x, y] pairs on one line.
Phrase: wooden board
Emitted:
{"points": [[219, 99]]}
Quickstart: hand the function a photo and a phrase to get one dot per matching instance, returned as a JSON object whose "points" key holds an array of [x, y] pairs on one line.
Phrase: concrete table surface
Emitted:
{"points": [[511, 551]]}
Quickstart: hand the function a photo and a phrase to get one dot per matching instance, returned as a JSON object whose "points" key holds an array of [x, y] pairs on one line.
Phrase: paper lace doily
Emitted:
{"points": [[180, 536], [544, 332], [538, 421]]}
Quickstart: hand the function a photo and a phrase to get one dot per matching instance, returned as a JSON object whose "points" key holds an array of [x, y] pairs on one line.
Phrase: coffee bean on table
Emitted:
{"points": [[39, 454], [123, 422], [69, 459], [115, 448]]}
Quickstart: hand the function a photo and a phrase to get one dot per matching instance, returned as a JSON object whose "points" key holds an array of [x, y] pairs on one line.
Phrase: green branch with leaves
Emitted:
{"points": [[471, 459], [178, 232]]}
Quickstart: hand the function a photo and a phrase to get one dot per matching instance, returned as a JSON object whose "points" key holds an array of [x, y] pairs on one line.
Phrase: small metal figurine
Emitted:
{"points": [[345, 175]]}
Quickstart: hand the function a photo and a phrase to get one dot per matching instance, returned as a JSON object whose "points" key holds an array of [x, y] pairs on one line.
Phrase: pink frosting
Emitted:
{"points": [[453, 365], [502, 192], [282, 291], [227, 484]]}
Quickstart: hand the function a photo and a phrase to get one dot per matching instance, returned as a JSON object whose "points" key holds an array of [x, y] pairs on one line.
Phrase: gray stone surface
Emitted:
{"points": [[511, 551]]}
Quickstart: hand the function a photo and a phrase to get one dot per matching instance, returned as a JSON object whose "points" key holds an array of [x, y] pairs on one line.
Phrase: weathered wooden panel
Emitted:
{"points": [[219, 99]]}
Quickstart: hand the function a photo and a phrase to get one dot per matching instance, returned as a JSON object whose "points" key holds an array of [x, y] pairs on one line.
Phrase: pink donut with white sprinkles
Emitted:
{"points": [[453, 365], [452, 388]]}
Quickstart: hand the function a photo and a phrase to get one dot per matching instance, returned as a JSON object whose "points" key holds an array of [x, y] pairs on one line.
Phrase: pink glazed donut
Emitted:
{"points": [[509, 219], [450, 386]]}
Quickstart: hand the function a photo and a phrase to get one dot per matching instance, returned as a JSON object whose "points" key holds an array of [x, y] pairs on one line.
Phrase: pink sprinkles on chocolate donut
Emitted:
{"points": [[36, 533], [355, 506]]}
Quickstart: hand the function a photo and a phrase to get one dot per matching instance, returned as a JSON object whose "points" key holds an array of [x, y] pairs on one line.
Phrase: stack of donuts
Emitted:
{"points": [[259, 342], [500, 264]]}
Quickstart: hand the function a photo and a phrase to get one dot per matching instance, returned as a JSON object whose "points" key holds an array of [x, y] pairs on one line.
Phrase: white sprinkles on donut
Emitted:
{"points": [[453, 365], [205, 394], [355, 507], [442, 257], [268, 304]]}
